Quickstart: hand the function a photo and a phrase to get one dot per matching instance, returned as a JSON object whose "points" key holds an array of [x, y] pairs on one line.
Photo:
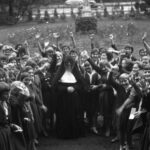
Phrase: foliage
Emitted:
{"points": [[72, 14], [85, 24], [63, 16], [132, 12], [55, 13], [106, 14], [30, 14], [46, 16], [124, 32], [38, 16], [98, 14]]}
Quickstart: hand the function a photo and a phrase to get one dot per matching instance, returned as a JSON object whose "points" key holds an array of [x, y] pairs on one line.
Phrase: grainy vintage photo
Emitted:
{"points": [[74, 74]]}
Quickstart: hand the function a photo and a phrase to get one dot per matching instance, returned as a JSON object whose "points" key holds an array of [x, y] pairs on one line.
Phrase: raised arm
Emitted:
{"points": [[41, 50], [146, 45], [73, 40]]}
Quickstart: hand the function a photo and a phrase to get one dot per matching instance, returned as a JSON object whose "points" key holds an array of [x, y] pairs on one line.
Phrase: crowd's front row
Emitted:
{"points": [[73, 94]]}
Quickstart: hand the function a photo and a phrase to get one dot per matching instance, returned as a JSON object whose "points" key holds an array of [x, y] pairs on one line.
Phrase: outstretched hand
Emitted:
{"points": [[144, 36], [111, 36], [85, 54]]}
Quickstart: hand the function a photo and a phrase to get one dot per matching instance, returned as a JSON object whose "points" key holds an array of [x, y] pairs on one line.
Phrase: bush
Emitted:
{"points": [[106, 14], [121, 12], [55, 13], [72, 14], [79, 12], [52, 20], [46, 16], [63, 16], [86, 24], [132, 12], [98, 14], [30, 14], [38, 16], [5, 19]]}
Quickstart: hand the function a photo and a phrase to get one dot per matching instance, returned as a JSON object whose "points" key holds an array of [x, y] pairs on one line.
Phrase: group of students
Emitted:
{"points": [[71, 93]]}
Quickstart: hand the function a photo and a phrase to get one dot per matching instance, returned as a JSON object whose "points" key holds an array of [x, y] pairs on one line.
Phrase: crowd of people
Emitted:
{"points": [[105, 91]]}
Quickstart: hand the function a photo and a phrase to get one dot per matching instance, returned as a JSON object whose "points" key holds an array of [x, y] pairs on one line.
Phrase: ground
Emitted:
{"points": [[124, 31], [90, 142], [87, 143]]}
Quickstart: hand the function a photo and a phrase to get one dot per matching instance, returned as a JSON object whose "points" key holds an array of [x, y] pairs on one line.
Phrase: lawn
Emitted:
{"points": [[129, 31]]}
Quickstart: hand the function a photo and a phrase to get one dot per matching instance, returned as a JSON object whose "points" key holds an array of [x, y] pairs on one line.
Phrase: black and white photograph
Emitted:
{"points": [[74, 74]]}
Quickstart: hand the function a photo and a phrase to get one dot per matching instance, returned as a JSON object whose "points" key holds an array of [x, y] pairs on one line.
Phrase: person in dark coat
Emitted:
{"points": [[5, 130], [106, 94], [93, 79], [68, 83]]}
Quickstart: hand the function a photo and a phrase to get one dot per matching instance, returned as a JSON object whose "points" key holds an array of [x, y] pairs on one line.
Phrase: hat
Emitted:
{"points": [[4, 87], [19, 87]]}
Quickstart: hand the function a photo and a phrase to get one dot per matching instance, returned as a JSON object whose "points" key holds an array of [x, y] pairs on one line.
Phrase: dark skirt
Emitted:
{"points": [[145, 142], [5, 138], [106, 103], [69, 117], [37, 117]]}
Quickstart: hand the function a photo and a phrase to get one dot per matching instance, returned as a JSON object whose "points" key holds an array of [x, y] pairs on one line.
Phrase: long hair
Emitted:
{"points": [[75, 72]]}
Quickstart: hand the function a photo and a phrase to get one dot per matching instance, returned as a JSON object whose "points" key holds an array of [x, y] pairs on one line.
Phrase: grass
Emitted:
{"points": [[125, 32]]}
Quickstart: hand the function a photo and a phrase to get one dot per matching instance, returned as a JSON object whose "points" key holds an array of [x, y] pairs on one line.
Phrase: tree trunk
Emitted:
{"points": [[10, 3]]}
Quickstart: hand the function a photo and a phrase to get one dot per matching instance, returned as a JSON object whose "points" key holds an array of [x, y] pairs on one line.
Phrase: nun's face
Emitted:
{"points": [[68, 66]]}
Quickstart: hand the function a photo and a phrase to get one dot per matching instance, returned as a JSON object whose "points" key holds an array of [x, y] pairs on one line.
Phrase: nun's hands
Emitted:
{"points": [[44, 108], [70, 89], [16, 128]]}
